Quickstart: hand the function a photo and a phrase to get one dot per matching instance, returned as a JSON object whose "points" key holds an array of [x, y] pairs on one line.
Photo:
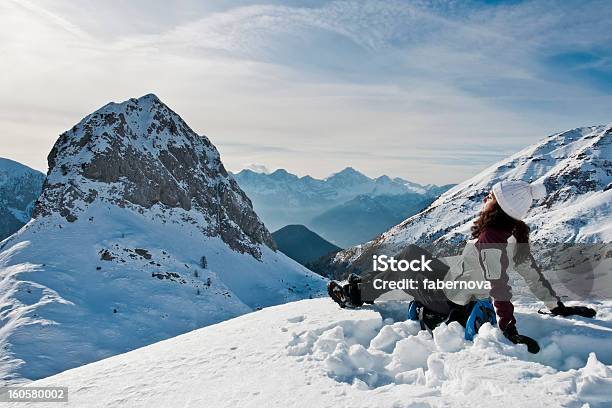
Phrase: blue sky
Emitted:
{"points": [[432, 91]]}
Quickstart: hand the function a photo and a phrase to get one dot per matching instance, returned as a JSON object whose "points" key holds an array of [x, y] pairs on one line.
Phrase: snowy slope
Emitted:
{"points": [[575, 166], [139, 235], [312, 354], [20, 186]]}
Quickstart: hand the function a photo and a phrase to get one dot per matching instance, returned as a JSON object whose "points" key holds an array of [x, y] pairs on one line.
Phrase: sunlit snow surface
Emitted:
{"points": [[313, 354], [62, 306]]}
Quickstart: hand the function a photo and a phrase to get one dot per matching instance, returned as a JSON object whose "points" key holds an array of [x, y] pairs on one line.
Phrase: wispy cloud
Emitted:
{"points": [[52, 18], [257, 168], [428, 90]]}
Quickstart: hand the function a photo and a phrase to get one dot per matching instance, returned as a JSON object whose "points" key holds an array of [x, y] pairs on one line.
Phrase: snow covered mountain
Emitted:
{"points": [[313, 354], [281, 198], [139, 235], [20, 186], [575, 166]]}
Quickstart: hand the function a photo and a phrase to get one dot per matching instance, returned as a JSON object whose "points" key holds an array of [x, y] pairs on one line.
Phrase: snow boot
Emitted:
{"points": [[346, 294], [512, 334], [352, 290], [427, 318], [334, 290]]}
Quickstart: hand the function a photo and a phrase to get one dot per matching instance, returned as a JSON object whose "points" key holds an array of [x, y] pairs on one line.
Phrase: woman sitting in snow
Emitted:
{"points": [[498, 232]]}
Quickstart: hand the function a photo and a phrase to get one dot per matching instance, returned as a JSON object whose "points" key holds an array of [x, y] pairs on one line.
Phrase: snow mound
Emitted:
{"points": [[400, 353], [594, 382]]}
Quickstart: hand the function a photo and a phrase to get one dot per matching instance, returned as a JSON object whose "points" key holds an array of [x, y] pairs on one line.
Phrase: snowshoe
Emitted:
{"points": [[334, 290], [413, 312], [482, 312]]}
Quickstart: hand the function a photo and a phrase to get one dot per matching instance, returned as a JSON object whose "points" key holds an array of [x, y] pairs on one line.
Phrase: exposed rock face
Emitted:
{"points": [[141, 154], [20, 186]]}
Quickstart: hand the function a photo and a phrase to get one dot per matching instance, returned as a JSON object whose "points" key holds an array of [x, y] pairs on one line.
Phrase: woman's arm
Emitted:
{"points": [[537, 282], [544, 291]]}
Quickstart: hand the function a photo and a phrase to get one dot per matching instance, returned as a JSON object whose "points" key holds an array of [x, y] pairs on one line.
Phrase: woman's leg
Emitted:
{"points": [[433, 299]]}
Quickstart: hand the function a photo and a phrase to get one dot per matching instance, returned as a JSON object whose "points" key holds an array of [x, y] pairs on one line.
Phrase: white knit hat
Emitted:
{"points": [[515, 196]]}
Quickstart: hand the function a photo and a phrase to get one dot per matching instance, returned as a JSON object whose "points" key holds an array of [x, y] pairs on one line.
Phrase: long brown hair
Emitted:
{"points": [[496, 217]]}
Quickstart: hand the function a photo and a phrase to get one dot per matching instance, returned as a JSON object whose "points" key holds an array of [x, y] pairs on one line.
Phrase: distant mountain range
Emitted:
{"points": [[301, 244], [20, 186], [340, 207]]}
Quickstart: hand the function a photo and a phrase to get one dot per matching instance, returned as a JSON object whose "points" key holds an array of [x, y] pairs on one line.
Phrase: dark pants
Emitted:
{"points": [[433, 299]]}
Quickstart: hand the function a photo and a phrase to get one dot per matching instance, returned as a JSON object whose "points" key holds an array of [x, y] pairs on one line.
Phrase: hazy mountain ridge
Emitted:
{"points": [[281, 198], [364, 217], [301, 244], [20, 186]]}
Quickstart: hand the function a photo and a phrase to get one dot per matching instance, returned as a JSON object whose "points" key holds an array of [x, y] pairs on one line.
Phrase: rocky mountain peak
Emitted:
{"points": [[142, 155], [348, 174], [283, 175]]}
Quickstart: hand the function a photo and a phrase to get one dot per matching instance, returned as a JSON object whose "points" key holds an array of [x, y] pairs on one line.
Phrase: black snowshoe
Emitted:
{"points": [[512, 334], [334, 290], [346, 294]]}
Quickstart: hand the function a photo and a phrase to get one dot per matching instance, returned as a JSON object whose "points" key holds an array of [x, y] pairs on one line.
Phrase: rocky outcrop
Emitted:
{"points": [[141, 154]]}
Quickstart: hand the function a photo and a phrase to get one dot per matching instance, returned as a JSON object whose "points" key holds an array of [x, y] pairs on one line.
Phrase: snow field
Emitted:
{"points": [[61, 299], [311, 353]]}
